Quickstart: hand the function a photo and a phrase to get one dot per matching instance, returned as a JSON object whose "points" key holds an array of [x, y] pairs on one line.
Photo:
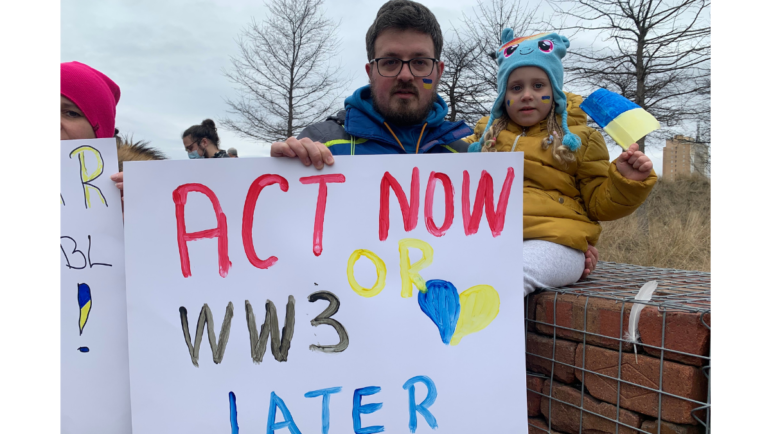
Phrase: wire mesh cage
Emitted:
{"points": [[584, 377]]}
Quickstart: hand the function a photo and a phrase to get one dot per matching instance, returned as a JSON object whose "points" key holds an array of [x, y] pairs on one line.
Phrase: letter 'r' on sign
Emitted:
{"points": [[87, 177], [410, 271]]}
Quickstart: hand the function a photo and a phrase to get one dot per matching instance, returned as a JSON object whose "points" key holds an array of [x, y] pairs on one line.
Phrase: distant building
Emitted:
{"points": [[684, 155]]}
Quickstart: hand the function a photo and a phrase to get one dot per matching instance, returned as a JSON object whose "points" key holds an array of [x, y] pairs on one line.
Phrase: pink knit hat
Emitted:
{"points": [[94, 94]]}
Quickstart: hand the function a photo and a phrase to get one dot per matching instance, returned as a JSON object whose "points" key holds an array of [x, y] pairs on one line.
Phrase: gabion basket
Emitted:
{"points": [[583, 377]]}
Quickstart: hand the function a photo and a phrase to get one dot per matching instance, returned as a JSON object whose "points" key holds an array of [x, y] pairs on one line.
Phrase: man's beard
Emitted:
{"points": [[402, 115]]}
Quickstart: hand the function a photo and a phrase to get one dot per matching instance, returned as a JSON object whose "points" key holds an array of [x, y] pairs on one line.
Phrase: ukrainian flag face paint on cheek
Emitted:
{"points": [[428, 83], [546, 99]]}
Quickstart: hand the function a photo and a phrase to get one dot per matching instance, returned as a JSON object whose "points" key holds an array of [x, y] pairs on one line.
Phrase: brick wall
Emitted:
{"points": [[583, 378]]}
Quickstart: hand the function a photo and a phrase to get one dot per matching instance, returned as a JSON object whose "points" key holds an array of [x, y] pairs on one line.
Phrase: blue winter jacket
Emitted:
{"points": [[360, 130]]}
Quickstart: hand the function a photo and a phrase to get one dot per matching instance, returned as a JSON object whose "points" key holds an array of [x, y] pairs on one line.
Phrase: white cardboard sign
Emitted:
{"points": [[94, 340], [382, 294]]}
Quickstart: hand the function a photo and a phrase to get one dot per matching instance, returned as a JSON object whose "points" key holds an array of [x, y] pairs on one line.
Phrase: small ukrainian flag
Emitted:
{"points": [[623, 120], [428, 83]]}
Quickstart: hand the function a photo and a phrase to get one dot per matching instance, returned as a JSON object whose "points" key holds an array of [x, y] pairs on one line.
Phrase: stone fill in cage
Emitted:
{"points": [[583, 377]]}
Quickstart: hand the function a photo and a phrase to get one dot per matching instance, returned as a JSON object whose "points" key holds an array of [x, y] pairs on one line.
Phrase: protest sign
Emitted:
{"points": [[94, 347], [381, 294]]}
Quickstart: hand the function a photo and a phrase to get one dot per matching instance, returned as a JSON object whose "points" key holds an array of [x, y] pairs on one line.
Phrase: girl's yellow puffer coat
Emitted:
{"points": [[564, 204]]}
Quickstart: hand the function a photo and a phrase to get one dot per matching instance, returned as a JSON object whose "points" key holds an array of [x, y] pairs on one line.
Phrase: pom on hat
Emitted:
{"points": [[572, 141], [475, 147], [95, 94]]}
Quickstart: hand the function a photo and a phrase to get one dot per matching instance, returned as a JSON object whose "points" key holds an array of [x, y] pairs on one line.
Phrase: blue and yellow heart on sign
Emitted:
{"points": [[455, 315], [458, 315]]}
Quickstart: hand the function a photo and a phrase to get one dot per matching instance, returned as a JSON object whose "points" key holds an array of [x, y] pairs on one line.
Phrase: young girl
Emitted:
{"points": [[569, 182]]}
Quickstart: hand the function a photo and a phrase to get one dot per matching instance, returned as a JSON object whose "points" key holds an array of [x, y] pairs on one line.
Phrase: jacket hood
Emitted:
{"points": [[362, 101], [361, 120]]}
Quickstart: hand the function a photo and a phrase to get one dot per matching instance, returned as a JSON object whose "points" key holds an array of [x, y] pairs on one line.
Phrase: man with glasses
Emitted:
{"points": [[399, 112]]}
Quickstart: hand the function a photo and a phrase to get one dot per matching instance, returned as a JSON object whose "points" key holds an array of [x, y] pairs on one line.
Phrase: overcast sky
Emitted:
{"points": [[168, 58]]}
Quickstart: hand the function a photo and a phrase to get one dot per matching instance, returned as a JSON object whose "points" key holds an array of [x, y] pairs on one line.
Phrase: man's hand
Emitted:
{"points": [[308, 151], [592, 256], [118, 180], [633, 164]]}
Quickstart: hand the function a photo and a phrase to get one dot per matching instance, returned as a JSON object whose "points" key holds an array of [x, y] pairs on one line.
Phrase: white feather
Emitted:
{"points": [[645, 294]]}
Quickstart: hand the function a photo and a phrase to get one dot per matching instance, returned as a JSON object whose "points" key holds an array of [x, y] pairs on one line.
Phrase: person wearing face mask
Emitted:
{"points": [[202, 141]]}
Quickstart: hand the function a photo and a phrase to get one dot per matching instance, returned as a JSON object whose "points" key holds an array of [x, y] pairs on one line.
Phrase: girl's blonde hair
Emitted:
{"points": [[562, 154]]}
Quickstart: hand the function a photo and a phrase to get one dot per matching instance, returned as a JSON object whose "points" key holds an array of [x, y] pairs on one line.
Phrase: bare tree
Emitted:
{"points": [[654, 52], [469, 83], [283, 72], [460, 87]]}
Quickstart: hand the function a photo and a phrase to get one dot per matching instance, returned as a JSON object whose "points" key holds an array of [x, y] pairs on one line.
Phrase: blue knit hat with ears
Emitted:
{"points": [[544, 50]]}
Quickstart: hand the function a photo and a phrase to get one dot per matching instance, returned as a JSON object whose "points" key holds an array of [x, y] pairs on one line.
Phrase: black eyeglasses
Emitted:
{"points": [[391, 66], [189, 148]]}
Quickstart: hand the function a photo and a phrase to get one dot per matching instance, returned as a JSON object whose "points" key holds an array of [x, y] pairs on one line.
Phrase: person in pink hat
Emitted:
{"points": [[88, 101], [88, 104]]}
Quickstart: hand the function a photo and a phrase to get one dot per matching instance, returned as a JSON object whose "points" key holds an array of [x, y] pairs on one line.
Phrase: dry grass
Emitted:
{"points": [[678, 229]]}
